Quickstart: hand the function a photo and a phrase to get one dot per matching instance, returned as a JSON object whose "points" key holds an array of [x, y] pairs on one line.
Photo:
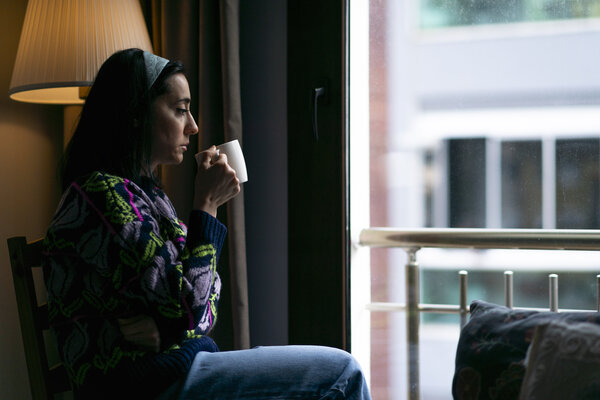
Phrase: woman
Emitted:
{"points": [[132, 291]]}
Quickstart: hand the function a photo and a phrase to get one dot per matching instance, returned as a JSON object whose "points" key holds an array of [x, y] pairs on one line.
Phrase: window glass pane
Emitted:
{"points": [[493, 125], [444, 13], [521, 171], [466, 174], [577, 183]]}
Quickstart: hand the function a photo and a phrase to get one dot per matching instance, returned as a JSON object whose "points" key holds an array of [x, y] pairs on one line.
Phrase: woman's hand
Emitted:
{"points": [[142, 331], [216, 182]]}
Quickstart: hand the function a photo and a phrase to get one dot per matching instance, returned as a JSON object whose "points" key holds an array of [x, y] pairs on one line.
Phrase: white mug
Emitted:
{"points": [[235, 158]]}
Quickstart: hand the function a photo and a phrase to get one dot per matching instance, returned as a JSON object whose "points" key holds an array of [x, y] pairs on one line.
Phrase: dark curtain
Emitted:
{"points": [[204, 35]]}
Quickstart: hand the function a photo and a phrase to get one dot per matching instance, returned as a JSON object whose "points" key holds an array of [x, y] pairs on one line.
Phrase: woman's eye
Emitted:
{"points": [[182, 111]]}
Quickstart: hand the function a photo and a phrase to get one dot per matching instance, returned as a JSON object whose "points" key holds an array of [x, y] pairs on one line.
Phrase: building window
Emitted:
{"points": [[446, 13], [574, 193], [521, 192], [577, 184], [466, 177]]}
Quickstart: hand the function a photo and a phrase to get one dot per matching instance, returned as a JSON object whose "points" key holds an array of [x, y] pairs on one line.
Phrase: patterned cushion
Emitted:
{"points": [[563, 363], [492, 348]]}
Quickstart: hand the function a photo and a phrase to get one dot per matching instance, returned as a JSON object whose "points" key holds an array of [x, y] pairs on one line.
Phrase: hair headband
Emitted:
{"points": [[154, 66]]}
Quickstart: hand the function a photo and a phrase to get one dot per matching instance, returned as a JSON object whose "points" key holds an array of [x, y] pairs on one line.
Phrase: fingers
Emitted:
{"points": [[133, 325], [216, 181], [237, 187], [219, 158], [207, 157], [213, 158], [210, 157], [142, 331]]}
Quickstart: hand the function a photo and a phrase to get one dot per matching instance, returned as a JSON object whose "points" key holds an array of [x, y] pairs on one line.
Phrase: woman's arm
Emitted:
{"points": [[138, 246]]}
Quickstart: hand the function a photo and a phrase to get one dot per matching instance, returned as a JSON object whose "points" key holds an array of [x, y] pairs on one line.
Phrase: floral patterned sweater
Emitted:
{"points": [[116, 250]]}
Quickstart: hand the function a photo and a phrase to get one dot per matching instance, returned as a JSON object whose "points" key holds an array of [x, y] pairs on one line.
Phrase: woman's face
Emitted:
{"points": [[172, 123]]}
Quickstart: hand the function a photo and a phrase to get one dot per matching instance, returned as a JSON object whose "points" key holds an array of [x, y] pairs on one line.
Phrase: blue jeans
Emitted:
{"points": [[273, 372]]}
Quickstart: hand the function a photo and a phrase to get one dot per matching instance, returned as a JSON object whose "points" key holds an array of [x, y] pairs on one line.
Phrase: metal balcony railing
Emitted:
{"points": [[412, 240]]}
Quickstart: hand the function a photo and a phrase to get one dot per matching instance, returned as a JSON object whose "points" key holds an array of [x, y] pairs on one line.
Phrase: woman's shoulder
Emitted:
{"points": [[98, 181], [119, 197], [103, 182], [107, 193]]}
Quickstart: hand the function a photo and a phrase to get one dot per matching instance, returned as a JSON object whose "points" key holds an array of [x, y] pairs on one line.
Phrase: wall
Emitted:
{"points": [[30, 142]]}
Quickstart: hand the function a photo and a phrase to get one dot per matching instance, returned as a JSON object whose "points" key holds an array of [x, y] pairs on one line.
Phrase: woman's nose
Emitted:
{"points": [[191, 127]]}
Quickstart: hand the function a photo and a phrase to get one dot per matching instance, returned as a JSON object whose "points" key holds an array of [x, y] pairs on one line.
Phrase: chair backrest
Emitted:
{"points": [[45, 381]]}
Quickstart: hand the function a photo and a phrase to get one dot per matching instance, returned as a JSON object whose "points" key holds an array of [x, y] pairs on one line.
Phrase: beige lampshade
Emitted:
{"points": [[64, 43]]}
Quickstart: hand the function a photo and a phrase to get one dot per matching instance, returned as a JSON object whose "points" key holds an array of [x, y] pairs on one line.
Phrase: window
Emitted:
{"points": [[514, 197], [444, 13], [521, 171], [577, 183], [481, 114], [466, 179]]}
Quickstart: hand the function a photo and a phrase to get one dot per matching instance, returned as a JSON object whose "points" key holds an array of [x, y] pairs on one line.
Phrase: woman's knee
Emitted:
{"points": [[341, 359], [341, 355], [350, 382]]}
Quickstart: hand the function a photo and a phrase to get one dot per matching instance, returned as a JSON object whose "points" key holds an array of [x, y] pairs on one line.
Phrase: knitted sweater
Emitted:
{"points": [[115, 250]]}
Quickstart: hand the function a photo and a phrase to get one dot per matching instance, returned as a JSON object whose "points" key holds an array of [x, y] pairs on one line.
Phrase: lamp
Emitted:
{"points": [[64, 42]]}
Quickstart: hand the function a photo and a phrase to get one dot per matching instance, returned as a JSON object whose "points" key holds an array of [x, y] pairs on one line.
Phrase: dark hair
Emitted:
{"points": [[113, 134]]}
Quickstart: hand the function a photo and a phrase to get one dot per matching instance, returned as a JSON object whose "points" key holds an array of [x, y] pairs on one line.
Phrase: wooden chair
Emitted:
{"points": [[45, 381]]}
